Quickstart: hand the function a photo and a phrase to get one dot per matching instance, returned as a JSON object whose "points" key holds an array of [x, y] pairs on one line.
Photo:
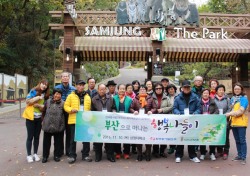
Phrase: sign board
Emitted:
{"points": [[108, 127]]}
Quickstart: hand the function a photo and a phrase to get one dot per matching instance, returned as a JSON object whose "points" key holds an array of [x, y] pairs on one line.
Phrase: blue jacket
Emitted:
{"points": [[194, 104], [65, 90]]}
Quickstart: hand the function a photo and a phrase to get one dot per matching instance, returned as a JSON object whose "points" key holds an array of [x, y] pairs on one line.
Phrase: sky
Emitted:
{"points": [[198, 2]]}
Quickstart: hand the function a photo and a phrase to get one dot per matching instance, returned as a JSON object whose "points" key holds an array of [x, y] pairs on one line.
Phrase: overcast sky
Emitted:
{"points": [[199, 2]]}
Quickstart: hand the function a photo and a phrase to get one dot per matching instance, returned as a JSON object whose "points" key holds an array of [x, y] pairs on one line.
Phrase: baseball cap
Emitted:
{"points": [[186, 83], [165, 79], [80, 82]]}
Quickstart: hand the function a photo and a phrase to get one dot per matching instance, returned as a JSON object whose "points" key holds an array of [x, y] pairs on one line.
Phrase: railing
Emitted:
{"points": [[237, 25]]}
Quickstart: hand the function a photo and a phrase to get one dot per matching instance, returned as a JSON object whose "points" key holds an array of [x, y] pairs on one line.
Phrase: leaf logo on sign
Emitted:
{"points": [[158, 34]]}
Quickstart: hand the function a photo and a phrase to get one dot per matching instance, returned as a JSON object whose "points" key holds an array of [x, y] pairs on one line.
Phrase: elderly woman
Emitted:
{"points": [[208, 106], [146, 102], [239, 121], [122, 104], [53, 125], [164, 106], [223, 103]]}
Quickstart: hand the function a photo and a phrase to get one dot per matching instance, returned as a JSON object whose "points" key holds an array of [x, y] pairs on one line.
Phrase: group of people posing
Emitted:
{"points": [[56, 115]]}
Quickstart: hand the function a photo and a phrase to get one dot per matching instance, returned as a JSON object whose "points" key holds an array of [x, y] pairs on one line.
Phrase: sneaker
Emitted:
{"points": [[195, 159], [36, 157], [71, 160], [30, 159], [126, 156], [202, 157], [117, 156], [237, 158], [212, 157], [88, 159], [243, 161], [178, 160], [225, 156]]}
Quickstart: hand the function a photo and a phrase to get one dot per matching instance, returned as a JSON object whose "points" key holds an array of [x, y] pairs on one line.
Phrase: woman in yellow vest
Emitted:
{"points": [[239, 121], [32, 114]]}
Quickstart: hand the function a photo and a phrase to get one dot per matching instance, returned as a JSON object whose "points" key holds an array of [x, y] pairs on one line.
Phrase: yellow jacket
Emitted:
{"points": [[73, 102], [239, 117]]}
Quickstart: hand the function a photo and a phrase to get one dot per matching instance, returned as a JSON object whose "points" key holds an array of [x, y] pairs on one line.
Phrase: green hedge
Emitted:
{"points": [[102, 70]]}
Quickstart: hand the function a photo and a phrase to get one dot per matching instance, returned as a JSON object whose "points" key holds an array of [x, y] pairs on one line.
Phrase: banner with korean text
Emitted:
{"points": [[108, 127]]}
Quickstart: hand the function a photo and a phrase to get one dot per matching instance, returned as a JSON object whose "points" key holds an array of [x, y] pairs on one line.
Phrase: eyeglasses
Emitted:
{"points": [[158, 88]]}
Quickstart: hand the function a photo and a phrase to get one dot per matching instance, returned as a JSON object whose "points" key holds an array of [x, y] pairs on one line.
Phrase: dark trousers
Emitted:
{"points": [[58, 137], [126, 148], [180, 149], [148, 149], [225, 149], [85, 149], [109, 147], [72, 146], [33, 133], [204, 151], [67, 138], [157, 149]]}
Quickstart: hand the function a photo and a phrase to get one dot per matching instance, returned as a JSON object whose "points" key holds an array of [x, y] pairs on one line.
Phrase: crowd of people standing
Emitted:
{"points": [[56, 116]]}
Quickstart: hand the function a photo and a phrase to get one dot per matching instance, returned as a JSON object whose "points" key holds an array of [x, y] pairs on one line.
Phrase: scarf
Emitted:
{"points": [[212, 93], [219, 97], [159, 98], [236, 99], [142, 100], [132, 95], [205, 108]]}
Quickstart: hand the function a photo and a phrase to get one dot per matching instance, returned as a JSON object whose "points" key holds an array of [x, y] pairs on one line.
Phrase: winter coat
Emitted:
{"points": [[53, 121], [239, 116], [166, 104], [224, 103], [151, 106], [194, 104], [212, 109], [65, 90], [73, 102], [197, 92], [127, 102], [97, 104], [92, 93]]}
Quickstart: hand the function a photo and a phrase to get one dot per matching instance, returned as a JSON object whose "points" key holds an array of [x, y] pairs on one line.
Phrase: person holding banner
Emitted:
{"points": [[122, 105], [53, 125], [105, 103], [223, 103], [78, 100], [143, 103], [186, 103], [239, 121], [208, 106], [33, 115], [164, 106]]}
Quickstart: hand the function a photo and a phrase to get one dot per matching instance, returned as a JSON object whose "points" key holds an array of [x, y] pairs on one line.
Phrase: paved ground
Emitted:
{"points": [[13, 160], [13, 155]]}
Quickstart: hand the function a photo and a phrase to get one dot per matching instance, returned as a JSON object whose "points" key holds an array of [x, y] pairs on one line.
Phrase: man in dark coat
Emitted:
{"points": [[189, 103], [103, 102]]}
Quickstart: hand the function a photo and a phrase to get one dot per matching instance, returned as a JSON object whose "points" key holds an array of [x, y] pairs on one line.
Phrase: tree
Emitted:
{"points": [[226, 6], [25, 38]]}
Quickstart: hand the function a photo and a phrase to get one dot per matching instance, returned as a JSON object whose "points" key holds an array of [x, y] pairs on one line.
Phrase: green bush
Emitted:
{"points": [[102, 70]]}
